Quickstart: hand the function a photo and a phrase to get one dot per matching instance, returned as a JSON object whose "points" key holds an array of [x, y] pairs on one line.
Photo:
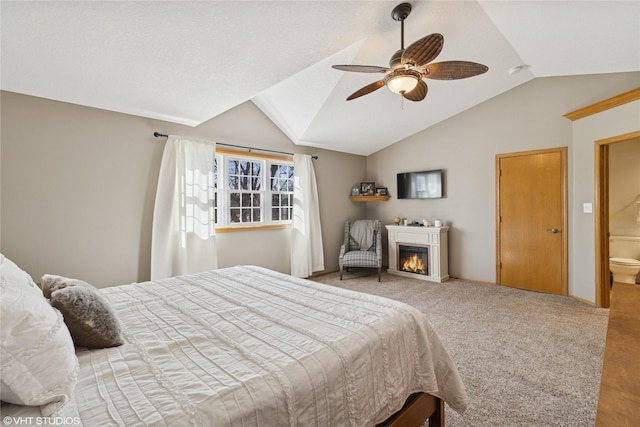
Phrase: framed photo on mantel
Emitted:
{"points": [[367, 188]]}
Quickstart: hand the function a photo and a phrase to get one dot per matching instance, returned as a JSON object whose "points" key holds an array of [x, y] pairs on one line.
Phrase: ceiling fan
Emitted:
{"points": [[409, 66]]}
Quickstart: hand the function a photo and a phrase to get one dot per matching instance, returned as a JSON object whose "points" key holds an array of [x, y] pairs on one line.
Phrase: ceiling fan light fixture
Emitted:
{"points": [[402, 81], [409, 66]]}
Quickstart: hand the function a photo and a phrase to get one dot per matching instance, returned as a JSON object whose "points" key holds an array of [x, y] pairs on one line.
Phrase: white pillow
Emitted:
{"points": [[15, 274], [38, 363]]}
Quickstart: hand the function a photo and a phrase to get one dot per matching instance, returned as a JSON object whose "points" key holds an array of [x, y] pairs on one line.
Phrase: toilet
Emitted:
{"points": [[624, 261]]}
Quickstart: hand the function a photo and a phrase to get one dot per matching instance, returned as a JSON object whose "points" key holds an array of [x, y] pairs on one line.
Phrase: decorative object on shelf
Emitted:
{"points": [[367, 188], [396, 220], [382, 191], [355, 190], [437, 223]]}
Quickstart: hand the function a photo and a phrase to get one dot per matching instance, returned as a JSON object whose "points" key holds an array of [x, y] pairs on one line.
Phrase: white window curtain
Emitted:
{"points": [[307, 253], [183, 235]]}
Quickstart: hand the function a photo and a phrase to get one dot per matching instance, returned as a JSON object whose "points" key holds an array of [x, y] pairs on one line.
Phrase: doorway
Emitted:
{"points": [[603, 287], [531, 220]]}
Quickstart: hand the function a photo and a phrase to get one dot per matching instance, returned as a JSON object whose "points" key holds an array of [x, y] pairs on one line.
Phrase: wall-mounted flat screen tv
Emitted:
{"points": [[420, 185]]}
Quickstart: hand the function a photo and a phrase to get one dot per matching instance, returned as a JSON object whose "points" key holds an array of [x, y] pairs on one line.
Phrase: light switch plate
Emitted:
{"points": [[587, 207]]}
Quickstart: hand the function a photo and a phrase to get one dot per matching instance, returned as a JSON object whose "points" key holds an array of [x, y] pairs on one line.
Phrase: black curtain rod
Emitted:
{"points": [[158, 135]]}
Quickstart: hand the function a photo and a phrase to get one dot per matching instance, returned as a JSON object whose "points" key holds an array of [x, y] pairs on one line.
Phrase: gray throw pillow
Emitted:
{"points": [[89, 317], [51, 283]]}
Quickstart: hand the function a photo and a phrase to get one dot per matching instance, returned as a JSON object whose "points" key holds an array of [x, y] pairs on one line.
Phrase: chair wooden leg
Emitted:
{"points": [[379, 273], [340, 272]]}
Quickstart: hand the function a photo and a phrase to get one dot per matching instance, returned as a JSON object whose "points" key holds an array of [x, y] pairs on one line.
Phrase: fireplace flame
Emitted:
{"points": [[414, 264]]}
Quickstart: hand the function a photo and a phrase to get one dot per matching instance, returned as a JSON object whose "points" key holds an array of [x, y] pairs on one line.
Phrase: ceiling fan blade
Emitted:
{"points": [[454, 70], [418, 93], [365, 90], [361, 68], [423, 51]]}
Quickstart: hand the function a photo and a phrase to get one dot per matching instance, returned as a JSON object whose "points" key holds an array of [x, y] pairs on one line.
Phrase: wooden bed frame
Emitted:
{"points": [[418, 408]]}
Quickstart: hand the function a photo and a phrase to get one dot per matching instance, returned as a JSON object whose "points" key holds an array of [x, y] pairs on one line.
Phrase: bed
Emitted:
{"points": [[249, 346]]}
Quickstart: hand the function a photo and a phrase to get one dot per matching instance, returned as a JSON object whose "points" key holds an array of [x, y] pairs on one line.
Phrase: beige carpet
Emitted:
{"points": [[527, 359]]}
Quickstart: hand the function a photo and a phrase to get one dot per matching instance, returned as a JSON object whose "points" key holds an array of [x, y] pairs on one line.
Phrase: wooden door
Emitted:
{"points": [[532, 220]]}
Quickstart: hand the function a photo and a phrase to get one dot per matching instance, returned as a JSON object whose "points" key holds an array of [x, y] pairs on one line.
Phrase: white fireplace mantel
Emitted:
{"points": [[433, 237]]}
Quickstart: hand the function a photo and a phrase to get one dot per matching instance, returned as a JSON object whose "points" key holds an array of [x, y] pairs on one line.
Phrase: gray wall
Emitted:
{"points": [[78, 186], [528, 117]]}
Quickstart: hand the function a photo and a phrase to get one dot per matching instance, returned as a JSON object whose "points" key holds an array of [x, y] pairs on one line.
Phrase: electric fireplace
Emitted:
{"points": [[413, 258], [419, 252]]}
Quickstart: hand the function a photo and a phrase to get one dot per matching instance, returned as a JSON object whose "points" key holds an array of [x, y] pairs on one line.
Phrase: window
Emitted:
{"points": [[244, 190], [281, 191], [252, 190]]}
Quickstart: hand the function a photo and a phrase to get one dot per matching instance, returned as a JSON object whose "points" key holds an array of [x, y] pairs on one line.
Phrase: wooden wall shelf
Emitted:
{"points": [[369, 198]]}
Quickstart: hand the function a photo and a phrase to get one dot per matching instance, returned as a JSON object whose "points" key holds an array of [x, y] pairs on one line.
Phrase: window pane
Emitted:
{"points": [[257, 183], [233, 182], [285, 214], [290, 185], [233, 167], [256, 215], [246, 200], [234, 215], [244, 183], [244, 167], [235, 199], [275, 214], [256, 200], [275, 200], [215, 172], [215, 207], [246, 215]]}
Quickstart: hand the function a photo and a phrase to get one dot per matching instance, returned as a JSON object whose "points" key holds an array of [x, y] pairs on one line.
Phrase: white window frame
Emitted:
{"points": [[223, 193]]}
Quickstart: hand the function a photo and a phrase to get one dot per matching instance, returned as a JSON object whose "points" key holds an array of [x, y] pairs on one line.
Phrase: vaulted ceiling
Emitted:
{"points": [[187, 62]]}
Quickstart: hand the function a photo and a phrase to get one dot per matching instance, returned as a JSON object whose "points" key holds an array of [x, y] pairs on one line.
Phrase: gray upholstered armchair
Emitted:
{"points": [[362, 245]]}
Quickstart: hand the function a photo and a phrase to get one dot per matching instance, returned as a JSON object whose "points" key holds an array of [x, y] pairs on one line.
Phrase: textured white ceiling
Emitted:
{"points": [[187, 62]]}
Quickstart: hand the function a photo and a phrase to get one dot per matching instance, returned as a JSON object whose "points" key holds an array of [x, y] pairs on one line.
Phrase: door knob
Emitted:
{"points": [[553, 230]]}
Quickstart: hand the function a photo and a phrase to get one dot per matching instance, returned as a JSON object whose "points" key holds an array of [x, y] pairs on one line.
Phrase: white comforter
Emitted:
{"points": [[246, 346]]}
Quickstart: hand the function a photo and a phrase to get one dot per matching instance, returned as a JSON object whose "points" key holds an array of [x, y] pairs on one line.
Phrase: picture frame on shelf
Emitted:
{"points": [[367, 188], [382, 191], [355, 190]]}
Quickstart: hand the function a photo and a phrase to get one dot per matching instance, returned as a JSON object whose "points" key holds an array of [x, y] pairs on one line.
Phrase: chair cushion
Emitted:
{"points": [[360, 259]]}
